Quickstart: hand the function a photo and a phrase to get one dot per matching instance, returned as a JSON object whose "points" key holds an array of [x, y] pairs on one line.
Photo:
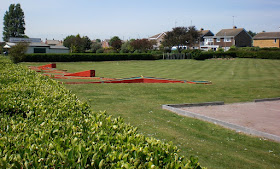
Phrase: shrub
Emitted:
{"points": [[17, 52], [43, 125], [262, 54], [75, 57], [101, 50]]}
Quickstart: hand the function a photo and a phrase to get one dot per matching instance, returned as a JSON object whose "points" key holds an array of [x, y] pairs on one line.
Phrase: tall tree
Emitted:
{"points": [[14, 24], [142, 44], [77, 44], [180, 36], [115, 42]]}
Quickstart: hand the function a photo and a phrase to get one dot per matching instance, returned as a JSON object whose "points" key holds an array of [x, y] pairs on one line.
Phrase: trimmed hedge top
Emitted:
{"points": [[43, 125], [75, 57]]}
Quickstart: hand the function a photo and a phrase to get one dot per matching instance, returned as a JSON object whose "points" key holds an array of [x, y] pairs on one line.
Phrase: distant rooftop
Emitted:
{"points": [[267, 35], [30, 40], [230, 32]]}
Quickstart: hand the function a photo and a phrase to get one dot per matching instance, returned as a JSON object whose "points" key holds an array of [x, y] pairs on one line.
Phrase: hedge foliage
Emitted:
{"points": [[74, 57], [195, 54], [262, 54], [43, 125]]}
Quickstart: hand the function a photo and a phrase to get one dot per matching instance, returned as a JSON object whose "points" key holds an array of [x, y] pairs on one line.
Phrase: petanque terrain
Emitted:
{"points": [[233, 81]]}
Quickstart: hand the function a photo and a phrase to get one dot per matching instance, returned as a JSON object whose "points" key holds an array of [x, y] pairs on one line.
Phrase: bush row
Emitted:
{"points": [[43, 125], [239, 54], [74, 57], [195, 54]]}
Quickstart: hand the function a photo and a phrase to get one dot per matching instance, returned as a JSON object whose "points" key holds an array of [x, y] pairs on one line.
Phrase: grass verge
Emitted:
{"points": [[237, 80]]}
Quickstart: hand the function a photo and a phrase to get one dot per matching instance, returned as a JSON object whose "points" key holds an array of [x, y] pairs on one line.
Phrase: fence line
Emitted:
{"points": [[169, 56]]}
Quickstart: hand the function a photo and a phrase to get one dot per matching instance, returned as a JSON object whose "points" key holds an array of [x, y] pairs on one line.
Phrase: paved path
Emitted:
{"points": [[259, 118]]}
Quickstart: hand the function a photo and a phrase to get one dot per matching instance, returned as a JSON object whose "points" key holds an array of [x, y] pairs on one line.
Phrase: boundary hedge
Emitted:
{"points": [[43, 125], [75, 57], [262, 54]]}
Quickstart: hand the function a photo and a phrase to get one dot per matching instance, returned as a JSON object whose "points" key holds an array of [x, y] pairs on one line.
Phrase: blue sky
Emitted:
{"points": [[128, 19]]}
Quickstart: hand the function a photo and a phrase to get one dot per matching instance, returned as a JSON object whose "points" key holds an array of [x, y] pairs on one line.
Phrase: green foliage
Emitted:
{"points": [[235, 80], [75, 57], [263, 54], [43, 125], [142, 45], [240, 53], [115, 42], [101, 50], [96, 46], [17, 52], [251, 33], [127, 47], [221, 50], [180, 36], [77, 44], [110, 50], [14, 24]]}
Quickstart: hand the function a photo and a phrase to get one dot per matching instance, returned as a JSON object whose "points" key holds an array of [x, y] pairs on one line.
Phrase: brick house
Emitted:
{"points": [[158, 38], [267, 40], [204, 33], [226, 38]]}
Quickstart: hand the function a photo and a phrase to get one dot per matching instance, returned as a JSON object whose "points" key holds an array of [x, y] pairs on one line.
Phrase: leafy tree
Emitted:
{"points": [[180, 36], [77, 44], [69, 42], [115, 42], [86, 43], [14, 24], [126, 47], [251, 33], [95, 46], [17, 52], [142, 44], [192, 35]]}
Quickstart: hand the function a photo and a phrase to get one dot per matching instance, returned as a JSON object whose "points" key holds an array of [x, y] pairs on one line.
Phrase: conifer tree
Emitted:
{"points": [[14, 24]]}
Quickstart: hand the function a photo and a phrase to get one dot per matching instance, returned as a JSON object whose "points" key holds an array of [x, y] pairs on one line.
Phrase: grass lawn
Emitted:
{"points": [[237, 80]]}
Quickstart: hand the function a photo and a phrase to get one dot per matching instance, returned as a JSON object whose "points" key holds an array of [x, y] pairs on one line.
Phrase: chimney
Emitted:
{"points": [[201, 29], [234, 27]]}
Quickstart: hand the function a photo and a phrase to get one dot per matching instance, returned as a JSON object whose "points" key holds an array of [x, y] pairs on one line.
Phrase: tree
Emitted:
{"points": [[14, 24], [96, 45], [86, 43], [115, 42], [76, 44], [251, 33], [126, 47], [17, 52], [181, 36], [142, 44]]}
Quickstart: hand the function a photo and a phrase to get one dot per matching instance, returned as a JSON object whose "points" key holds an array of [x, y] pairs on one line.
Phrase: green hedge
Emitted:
{"points": [[210, 55], [75, 57], [262, 54], [43, 125]]}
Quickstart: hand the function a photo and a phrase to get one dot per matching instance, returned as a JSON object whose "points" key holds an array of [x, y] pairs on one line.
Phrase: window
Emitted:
{"points": [[39, 50], [218, 40], [275, 40], [227, 39]]}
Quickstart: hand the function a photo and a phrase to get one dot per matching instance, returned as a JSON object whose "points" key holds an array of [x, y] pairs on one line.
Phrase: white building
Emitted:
{"points": [[36, 46]]}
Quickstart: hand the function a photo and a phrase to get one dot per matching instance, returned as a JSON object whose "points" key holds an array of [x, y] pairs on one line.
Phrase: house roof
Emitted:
{"points": [[53, 42], [267, 35], [204, 32], [58, 47], [38, 44], [157, 35], [229, 32]]}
